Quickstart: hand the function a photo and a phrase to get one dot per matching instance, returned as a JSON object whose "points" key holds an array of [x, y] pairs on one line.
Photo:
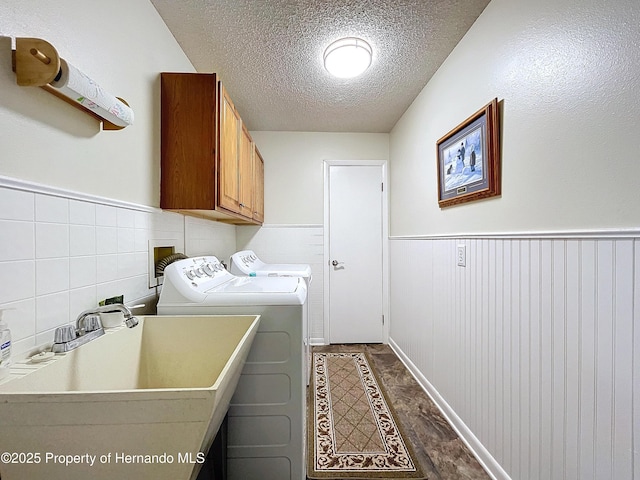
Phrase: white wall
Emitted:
{"points": [[293, 169], [568, 74], [76, 203], [123, 45], [294, 201], [531, 348]]}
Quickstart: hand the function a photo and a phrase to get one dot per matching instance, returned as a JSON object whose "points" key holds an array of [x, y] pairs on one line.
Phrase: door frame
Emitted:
{"points": [[327, 164]]}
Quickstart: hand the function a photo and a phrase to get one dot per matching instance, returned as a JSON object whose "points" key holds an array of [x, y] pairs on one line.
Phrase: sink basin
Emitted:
{"points": [[143, 402]]}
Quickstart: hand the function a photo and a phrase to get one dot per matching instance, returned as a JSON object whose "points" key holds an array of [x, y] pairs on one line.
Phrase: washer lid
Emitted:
{"points": [[284, 270], [258, 285]]}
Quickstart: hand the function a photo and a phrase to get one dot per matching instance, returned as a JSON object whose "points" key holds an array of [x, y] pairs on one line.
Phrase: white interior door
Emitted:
{"points": [[355, 251]]}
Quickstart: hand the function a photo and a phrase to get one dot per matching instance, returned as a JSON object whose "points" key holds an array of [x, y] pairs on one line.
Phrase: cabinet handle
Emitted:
{"points": [[242, 205]]}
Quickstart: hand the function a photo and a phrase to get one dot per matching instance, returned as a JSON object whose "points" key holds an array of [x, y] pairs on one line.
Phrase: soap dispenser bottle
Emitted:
{"points": [[5, 347]]}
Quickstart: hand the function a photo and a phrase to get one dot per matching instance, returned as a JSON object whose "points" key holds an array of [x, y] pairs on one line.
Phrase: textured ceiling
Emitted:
{"points": [[269, 55]]}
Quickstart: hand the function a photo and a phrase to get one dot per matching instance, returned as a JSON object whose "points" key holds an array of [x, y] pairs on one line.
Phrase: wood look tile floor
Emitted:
{"points": [[441, 453]]}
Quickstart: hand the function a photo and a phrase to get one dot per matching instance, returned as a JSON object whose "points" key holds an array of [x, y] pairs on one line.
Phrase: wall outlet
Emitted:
{"points": [[462, 255]]}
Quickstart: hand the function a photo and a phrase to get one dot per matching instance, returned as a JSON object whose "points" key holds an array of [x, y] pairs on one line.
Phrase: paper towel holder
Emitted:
{"points": [[37, 63]]}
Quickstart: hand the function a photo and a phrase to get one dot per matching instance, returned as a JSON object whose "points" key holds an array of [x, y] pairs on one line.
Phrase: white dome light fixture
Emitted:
{"points": [[347, 57]]}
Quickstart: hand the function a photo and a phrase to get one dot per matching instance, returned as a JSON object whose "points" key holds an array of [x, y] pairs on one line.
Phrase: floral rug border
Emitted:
{"points": [[397, 461]]}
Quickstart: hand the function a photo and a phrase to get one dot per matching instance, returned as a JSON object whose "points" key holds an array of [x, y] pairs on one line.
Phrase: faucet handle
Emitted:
{"points": [[64, 334], [92, 323]]}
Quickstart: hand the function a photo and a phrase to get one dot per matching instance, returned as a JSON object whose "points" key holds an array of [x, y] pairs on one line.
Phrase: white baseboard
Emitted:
{"points": [[483, 456]]}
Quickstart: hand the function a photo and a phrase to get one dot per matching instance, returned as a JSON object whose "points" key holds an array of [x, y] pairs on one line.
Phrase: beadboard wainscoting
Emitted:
{"points": [[61, 252], [530, 349], [292, 244]]}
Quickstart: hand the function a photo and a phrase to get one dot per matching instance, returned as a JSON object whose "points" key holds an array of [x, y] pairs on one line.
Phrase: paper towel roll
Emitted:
{"points": [[74, 84]]}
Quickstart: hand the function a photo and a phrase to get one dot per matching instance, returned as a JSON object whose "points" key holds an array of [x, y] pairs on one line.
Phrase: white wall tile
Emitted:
{"points": [[17, 280], [52, 275], [107, 268], [127, 266], [21, 319], [52, 209], [82, 213], [78, 252], [17, 240], [20, 347], [204, 237], [81, 299], [125, 218], [136, 288], [141, 240], [168, 221], [52, 311], [82, 271], [45, 338], [106, 240], [292, 244], [113, 289], [82, 240], [106, 216], [143, 220], [126, 240], [16, 205], [52, 240], [141, 266]]}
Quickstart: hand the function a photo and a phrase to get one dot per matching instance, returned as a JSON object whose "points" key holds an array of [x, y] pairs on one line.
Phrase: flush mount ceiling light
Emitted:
{"points": [[347, 57]]}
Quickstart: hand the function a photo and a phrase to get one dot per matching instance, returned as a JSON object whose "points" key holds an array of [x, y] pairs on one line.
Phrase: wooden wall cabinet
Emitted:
{"points": [[258, 186], [246, 181], [207, 154]]}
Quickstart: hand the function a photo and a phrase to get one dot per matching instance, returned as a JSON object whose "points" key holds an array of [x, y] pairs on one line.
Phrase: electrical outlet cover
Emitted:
{"points": [[462, 255]]}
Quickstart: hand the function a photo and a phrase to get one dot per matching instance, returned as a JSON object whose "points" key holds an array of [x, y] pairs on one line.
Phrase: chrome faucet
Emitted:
{"points": [[129, 320], [89, 327]]}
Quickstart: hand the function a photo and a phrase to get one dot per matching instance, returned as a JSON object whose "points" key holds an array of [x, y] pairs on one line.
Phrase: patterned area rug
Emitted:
{"points": [[353, 430]]}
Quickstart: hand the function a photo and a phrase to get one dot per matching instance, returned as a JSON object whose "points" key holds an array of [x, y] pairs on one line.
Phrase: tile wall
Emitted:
{"points": [[293, 244], [60, 253]]}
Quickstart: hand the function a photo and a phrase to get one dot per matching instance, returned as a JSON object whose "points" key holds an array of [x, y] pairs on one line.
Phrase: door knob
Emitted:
{"points": [[335, 263]]}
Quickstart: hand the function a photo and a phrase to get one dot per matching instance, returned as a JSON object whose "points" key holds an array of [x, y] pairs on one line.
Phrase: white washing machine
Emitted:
{"points": [[266, 422], [247, 263]]}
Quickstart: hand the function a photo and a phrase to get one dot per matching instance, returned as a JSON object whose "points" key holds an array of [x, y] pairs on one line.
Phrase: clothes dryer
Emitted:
{"points": [[246, 262], [266, 418]]}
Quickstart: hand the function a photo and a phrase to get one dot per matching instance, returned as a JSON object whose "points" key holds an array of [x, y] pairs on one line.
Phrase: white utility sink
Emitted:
{"points": [[141, 402]]}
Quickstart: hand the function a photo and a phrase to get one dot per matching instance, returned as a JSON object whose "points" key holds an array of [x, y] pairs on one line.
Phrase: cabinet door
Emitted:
{"points": [[258, 187], [228, 173], [189, 110], [246, 173]]}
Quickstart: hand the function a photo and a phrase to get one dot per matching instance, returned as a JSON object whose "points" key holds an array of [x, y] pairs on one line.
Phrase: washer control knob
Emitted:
{"points": [[208, 270]]}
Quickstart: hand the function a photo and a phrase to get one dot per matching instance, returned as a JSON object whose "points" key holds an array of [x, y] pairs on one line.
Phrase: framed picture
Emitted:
{"points": [[469, 159]]}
